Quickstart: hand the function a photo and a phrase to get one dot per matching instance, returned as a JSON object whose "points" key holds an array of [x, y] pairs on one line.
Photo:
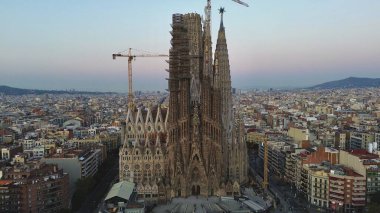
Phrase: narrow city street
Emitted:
{"points": [[289, 200], [101, 189]]}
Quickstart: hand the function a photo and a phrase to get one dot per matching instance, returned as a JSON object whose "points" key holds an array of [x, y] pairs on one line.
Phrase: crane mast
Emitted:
{"points": [[130, 59], [130, 90], [265, 172], [264, 139]]}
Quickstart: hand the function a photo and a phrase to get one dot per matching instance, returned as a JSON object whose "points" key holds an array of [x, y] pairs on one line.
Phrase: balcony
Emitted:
{"points": [[337, 201], [360, 188], [337, 191], [339, 197], [359, 183], [290, 168], [358, 198], [337, 186], [358, 193], [337, 182], [358, 203]]}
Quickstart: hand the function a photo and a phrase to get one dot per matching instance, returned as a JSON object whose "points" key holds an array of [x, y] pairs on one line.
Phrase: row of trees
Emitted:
{"points": [[85, 186]]}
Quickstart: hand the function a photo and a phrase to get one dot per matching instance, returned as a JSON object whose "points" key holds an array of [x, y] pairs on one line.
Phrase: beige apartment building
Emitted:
{"points": [[318, 184], [298, 134], [366, 164], [324, 109], [341, 140]]}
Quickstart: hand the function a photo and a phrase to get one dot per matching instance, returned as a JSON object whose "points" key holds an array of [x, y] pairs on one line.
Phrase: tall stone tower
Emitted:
{"points": [[222, 81], [194, 143], [201, 126], [196, 146]]}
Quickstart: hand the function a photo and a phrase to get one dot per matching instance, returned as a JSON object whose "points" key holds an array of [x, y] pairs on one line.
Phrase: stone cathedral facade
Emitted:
{"points": [[196, 146]]}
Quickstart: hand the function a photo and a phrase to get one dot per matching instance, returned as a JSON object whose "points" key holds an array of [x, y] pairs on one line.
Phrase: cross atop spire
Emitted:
{"points": [[221, 11]]}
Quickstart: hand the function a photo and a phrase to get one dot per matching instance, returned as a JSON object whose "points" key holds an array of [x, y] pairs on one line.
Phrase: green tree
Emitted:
{"points": [[83, 187], [64, 211], [374, 205]]}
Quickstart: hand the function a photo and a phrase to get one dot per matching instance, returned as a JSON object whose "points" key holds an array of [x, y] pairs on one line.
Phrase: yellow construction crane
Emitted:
{"points": [[131, 57], [264, 140], [237, 1], [241, 2]]}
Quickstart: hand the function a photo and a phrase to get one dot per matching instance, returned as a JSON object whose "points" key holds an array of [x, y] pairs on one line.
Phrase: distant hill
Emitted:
{"points": [[351, 82], [17, 91]]}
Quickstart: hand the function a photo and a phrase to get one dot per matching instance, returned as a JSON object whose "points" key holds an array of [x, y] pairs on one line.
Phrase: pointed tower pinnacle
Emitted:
{"points": [[207, 43], [223, 78]]}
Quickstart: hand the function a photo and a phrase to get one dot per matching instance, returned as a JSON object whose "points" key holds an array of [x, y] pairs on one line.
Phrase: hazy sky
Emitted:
{"points": [[67, 44]]}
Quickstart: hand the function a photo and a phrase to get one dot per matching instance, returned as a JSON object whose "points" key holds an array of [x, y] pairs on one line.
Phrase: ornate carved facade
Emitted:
{"points": [[199, 147], [143, 156]]}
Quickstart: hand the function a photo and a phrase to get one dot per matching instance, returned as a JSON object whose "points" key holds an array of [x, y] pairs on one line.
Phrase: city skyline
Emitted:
{"points": [[65, 45]]}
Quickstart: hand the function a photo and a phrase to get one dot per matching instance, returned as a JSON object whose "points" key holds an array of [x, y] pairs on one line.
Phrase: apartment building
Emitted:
{"points": [[347, 191], [254, 137], [276, 156], [318, 184], [324, 109], [298, 134], [290, 168], [377, 139], [34, 187], [296, 173], [9, 196], [361, 140], [77, 163], [9, 151], [341, 140], [366, 164]]}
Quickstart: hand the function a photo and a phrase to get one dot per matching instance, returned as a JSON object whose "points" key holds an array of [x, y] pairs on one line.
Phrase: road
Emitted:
{"points": [[276, 192], [101, 189], [290, 201]]}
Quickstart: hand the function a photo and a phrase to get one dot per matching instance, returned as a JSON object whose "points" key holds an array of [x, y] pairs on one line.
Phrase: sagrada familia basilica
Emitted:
{"points": [[196, 145]]}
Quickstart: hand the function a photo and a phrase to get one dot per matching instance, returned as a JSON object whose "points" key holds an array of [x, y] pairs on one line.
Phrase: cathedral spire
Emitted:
{"points": [[223, 78]]}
